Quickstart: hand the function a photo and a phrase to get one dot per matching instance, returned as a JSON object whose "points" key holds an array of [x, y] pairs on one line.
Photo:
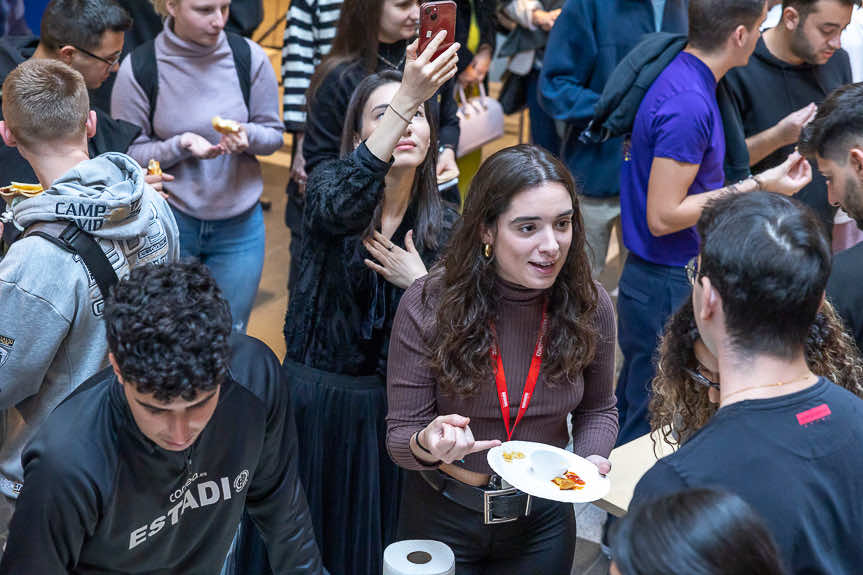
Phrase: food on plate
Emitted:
{"points": [[17, 188], [224, 126], [508, 456], [569, 481], [153, 168]]}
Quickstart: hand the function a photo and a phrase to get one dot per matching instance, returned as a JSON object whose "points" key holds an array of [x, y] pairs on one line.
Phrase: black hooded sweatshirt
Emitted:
{"points": [[100, 497], [755, 97]]}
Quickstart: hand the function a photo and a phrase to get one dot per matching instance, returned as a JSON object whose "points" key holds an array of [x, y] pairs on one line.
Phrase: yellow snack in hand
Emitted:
{"points": [[224, 126], [17, 188]]}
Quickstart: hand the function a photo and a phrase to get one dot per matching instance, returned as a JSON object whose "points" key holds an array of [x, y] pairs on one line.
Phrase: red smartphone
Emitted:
{"points": [[434, 17]]}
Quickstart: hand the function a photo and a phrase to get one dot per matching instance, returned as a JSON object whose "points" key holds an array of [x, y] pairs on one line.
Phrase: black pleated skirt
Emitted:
{"points": [[352, 486]]}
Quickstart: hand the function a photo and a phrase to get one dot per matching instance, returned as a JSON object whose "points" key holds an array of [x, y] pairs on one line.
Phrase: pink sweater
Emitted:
{"points": [[414, 399], [196, 83]]}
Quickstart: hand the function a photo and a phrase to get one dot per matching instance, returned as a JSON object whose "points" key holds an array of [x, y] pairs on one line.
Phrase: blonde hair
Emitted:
{"points": [[45, 101], [161, 8]]}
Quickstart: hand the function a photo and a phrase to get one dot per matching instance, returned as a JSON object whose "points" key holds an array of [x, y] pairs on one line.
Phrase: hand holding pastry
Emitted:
{"points": [[235, 142]]}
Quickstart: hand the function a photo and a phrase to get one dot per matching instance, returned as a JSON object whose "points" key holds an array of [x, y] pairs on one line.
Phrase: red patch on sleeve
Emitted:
{"points": [[814, 414]]}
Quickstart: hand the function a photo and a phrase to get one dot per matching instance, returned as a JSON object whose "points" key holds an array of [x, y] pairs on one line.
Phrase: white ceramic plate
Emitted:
{"points": [[520, 473]]}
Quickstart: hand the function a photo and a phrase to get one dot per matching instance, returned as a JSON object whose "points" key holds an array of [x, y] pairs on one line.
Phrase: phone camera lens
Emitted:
{"points": [[434, 16]]}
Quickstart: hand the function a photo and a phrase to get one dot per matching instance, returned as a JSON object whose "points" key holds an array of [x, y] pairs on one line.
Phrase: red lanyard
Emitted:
{"points": [[532, 375]]}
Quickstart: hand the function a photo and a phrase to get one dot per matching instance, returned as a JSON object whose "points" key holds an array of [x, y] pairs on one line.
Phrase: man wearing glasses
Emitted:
{"points": [[785, 440], [88, 36]]}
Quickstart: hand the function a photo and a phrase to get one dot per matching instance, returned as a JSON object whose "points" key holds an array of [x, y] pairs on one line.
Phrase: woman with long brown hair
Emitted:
{"points": [[686, 387], [514, 281], [373, 222]]}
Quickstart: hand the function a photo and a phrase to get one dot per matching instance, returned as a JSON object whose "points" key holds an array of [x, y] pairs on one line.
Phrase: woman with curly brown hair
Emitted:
{"points": [[686, 387], [504, 339]]}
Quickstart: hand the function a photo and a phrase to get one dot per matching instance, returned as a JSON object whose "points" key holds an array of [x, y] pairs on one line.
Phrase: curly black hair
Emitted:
{"points": [[169, 330]]}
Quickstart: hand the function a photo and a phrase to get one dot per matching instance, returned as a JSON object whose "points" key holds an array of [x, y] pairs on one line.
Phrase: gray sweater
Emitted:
{"points": [[196, 83], [52, 335]]}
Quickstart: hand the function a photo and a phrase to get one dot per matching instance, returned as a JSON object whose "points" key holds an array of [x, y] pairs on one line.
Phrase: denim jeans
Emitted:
{"points": [[649, 294], [233, 249]]}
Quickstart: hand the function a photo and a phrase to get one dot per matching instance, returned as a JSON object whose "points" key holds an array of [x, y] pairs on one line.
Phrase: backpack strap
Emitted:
{"points": [[242, 53], [147, 75], [73, 239]]}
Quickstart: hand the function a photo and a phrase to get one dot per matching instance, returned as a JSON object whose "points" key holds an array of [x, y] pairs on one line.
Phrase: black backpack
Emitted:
{"points": [[73, 239], [145, 70]]}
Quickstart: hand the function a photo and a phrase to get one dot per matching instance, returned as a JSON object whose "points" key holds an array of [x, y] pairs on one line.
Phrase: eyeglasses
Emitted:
{"points": [[110, 62], [692, 271], [700, 379]]}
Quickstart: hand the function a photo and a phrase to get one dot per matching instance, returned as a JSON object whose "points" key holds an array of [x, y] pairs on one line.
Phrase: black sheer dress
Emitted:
{"points": [[337, 331]]}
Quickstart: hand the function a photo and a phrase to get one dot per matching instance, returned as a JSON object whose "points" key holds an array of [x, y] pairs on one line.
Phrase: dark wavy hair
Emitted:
{"points": [[169, 330], [465, 280], [425, 192], [679, 407], [837, 126], [703, 531]]}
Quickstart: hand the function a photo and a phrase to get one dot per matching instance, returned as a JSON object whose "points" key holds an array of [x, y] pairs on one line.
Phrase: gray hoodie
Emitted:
{"points": [[52, 336]]}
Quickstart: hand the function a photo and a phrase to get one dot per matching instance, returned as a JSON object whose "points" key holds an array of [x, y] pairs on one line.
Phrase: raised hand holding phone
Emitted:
{"points": [[434, 17]]}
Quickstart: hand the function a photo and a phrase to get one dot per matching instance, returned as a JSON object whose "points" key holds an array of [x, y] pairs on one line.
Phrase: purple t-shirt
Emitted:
{"points": [[678, 119]]}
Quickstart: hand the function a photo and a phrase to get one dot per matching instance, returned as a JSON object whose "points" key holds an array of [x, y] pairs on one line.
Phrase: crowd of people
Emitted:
{"points": [[422, 331]]}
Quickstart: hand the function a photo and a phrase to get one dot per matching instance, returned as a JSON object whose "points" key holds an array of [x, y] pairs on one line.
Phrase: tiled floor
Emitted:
{"points": [[268, 317]]}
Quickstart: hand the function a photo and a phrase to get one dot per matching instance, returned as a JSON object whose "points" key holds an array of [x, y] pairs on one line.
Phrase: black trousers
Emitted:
{"points": [[543, 543]]}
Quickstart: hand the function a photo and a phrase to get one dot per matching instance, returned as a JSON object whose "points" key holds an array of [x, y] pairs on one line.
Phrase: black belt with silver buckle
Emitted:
{"points": [[497, 505]]}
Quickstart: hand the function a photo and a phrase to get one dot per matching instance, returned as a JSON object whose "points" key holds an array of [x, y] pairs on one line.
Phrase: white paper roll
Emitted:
{"points": [[418, 557]]}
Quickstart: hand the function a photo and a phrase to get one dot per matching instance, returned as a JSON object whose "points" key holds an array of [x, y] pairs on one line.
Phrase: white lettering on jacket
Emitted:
{"points": [[209, 493]]}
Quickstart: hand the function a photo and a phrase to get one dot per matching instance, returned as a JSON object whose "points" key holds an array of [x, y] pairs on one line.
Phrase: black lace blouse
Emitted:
{"points": [[340, 312]]}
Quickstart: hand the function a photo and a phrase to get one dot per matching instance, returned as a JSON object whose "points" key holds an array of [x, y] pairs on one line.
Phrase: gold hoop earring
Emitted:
{"points": [[486, 251]]}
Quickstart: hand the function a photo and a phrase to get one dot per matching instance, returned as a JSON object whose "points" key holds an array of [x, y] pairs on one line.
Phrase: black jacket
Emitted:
{"points": [[99, 497], [755, 97], [340, 312], [615, 112]]}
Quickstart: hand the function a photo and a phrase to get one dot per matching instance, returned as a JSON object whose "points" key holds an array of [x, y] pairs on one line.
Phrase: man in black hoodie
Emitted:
{"points": [[766, 103], [149, 465]]}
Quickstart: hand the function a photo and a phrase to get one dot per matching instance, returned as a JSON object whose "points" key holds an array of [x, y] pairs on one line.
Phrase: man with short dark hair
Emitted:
{"points": [[767, 102], [51, 293], [149, 466], [88, 36], [672, 168], [787, 441], [834, 139]]}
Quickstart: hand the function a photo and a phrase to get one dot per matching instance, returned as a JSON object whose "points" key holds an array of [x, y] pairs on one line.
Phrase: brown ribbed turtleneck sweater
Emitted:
{"points": [[415, 400]]}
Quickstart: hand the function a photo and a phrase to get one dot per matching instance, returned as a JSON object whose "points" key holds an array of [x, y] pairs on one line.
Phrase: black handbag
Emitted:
{"points": [[513, 93]]}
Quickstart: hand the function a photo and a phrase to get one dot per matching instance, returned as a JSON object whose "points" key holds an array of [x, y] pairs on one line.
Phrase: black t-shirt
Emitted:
{"points": [[797, 459], [845, 289]]}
